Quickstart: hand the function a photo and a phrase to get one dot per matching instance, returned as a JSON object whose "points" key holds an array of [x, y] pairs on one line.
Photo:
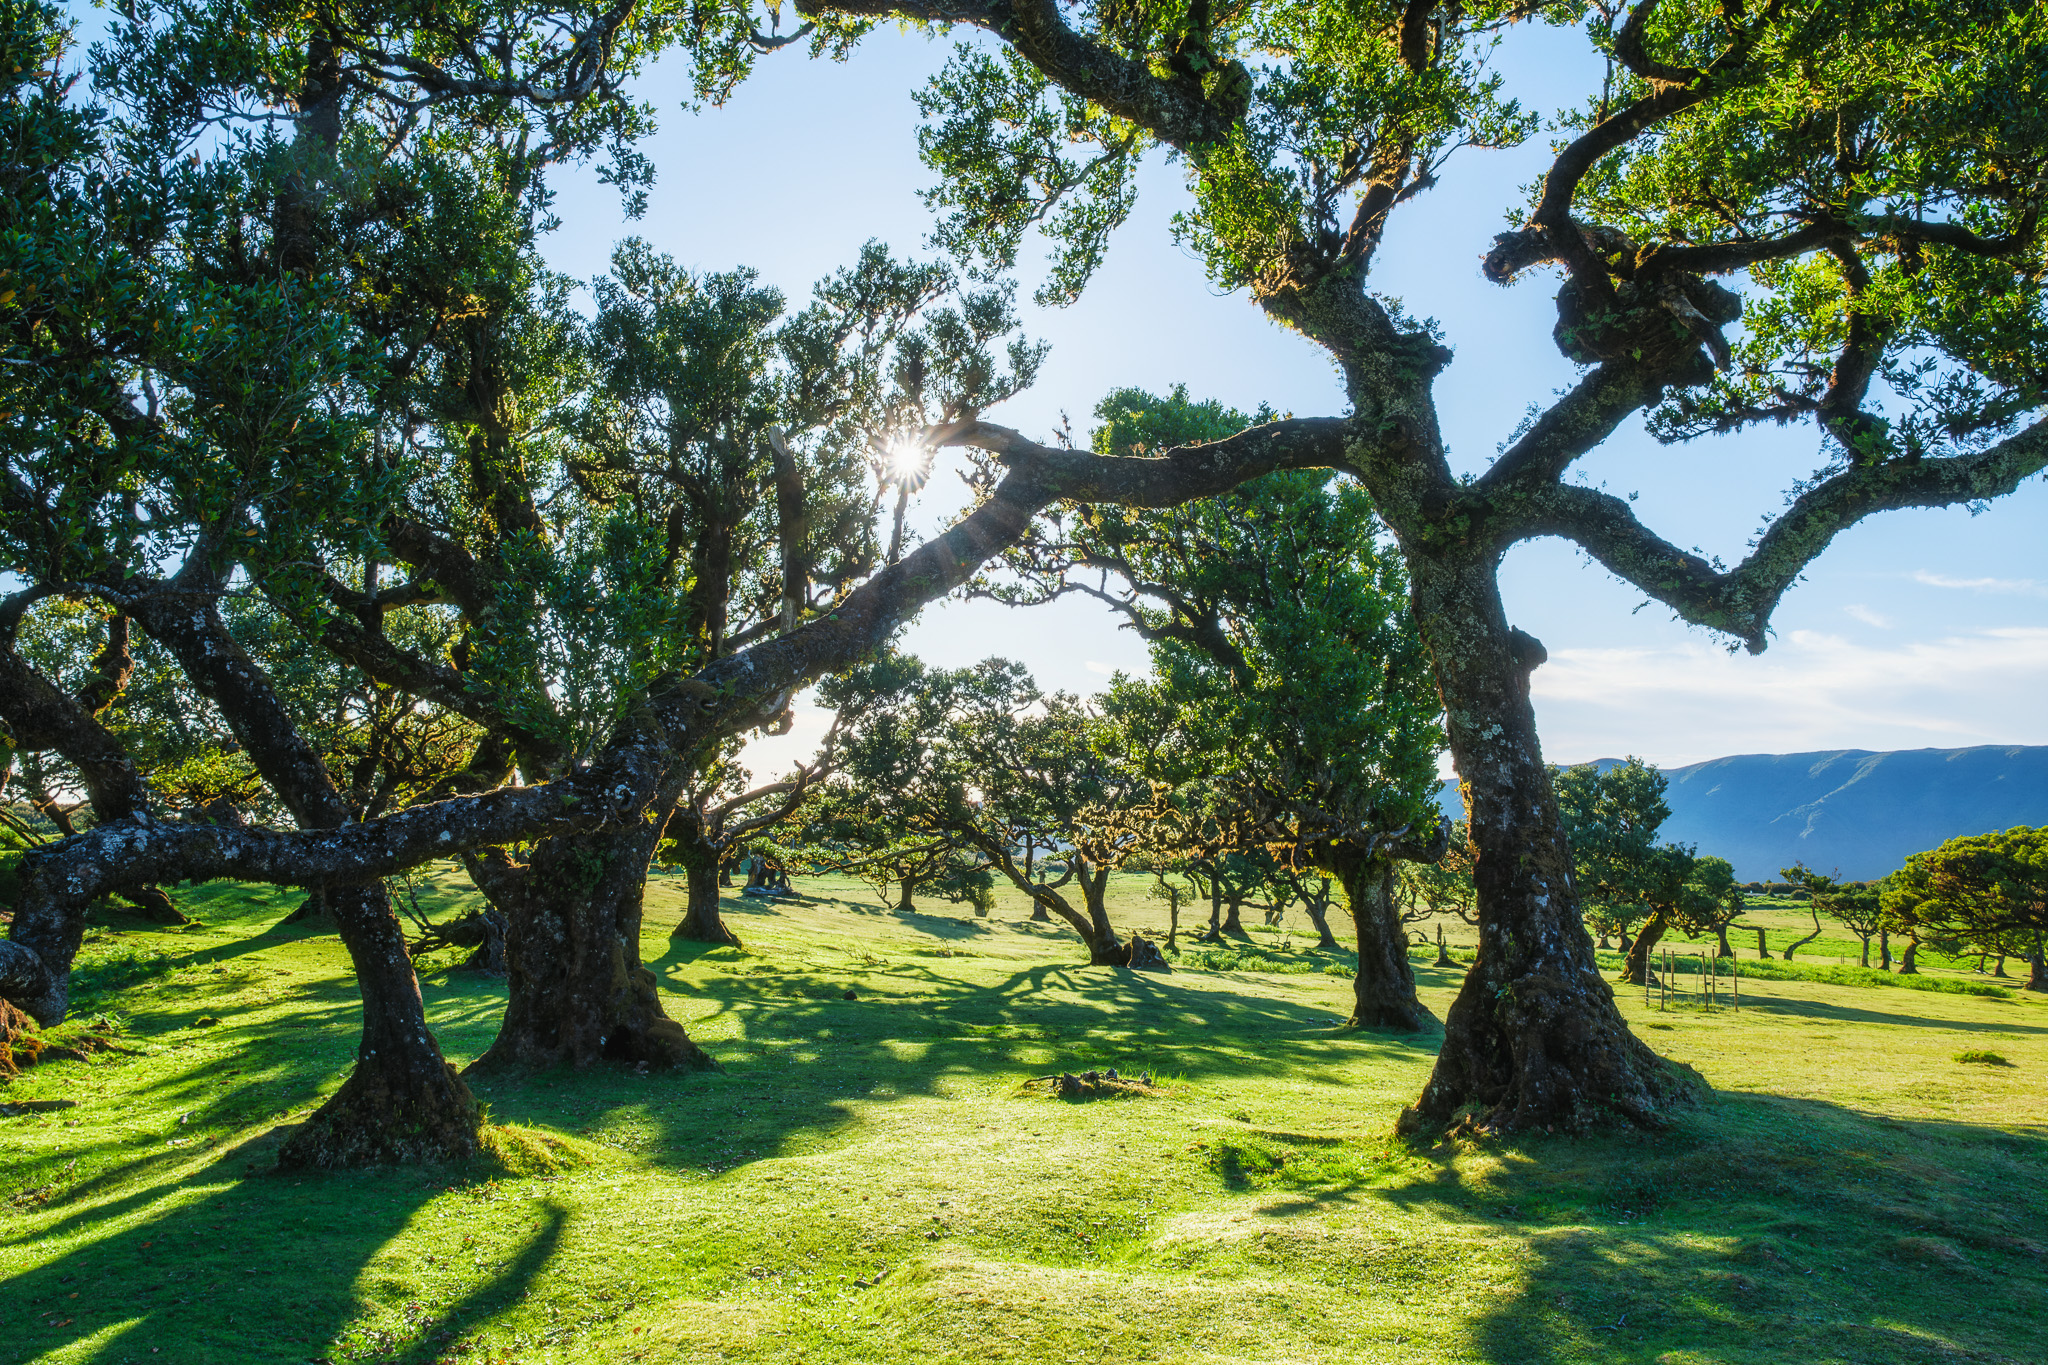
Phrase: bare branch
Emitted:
{"points": [[1739, 602]]}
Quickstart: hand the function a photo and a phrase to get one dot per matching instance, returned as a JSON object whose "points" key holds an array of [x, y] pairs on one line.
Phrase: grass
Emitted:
{"points": [[872, 1181]]}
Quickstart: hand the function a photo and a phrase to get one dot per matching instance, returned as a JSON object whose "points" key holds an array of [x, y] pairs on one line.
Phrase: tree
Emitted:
{"points": [[303, 365], [1849, 166], [1611, 819], [1856, 907], [979, 757], [1989, 890], [1278, 628], [712, 823]]}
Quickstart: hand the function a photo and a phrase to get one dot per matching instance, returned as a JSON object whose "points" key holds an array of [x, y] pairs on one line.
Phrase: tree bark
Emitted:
{"points": [[1907, 965], [579, 994], [1383, 988], [1884, 950], [403, 1102], [2037, 971], [905, 901], [1635, 969], [701, 922], [1534, 1039], [1104, 947], [400, 1076], [1319, 915], [155, 905], [1233, 926]]}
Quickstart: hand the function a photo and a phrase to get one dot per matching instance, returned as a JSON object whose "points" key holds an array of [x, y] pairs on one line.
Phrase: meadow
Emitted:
{"points": [[879, 1173]]}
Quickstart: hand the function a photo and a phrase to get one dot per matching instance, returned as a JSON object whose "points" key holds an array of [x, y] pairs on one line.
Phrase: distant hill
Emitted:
{"points": [[1851, 809]]}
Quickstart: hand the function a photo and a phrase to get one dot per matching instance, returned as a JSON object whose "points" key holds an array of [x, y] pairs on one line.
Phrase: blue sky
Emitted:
{"points": [[1919, 629]]}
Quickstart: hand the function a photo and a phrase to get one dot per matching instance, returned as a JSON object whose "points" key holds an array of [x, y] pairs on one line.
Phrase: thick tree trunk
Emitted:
{"points": [[401, 1077], [906, 900], [1864, 961], [1319, 916], [579, 994], [1907, 965], [1383, 988], [1763, 946], [403, 1102], [1721, 933], [155, 906], [2037, 971], [701, 922], [1998, 968], [1105, 949], [1635, 969], [1233, 925], [1884, 950], [1535, 1039]]}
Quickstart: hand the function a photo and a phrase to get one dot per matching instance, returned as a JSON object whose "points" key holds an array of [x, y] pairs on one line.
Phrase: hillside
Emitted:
{"points": [[1848, 809]]}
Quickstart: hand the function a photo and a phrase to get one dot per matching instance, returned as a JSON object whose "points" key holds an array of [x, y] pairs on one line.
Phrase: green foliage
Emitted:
{"points": [[1291, 710], [1986, 892]]}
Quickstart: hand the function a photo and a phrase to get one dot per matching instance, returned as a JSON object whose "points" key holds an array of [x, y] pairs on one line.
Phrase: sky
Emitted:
{"points": [[1915, 630]]}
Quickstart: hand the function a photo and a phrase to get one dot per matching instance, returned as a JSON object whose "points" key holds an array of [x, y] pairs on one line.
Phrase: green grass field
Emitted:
{"points": [[872, 1180]]}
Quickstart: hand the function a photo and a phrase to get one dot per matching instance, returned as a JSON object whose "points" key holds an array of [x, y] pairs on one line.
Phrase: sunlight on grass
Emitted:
{"points": [[872, 1180]]}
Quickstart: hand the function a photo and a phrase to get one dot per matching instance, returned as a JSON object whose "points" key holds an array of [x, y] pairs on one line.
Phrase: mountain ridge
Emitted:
{"points": [[1853, 813]]}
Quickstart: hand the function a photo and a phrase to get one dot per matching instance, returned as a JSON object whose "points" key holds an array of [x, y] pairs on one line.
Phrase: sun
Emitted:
{"points": [[904, 461]]}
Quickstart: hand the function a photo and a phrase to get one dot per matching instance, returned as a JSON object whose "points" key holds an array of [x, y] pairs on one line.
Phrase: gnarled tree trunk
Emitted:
{"points": [[1534, 1039], [579, 993], [1792, 948], [701, 922], [1318, 913], [403, 1102], [1383, 988], [1635, 969], [400, 1074]]}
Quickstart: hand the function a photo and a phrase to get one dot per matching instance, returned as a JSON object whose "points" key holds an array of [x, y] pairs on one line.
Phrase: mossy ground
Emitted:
{"points": [[869, 1181]]}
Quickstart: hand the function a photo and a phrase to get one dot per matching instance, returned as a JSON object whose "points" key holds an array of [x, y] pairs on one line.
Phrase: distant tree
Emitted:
{"points": [[1446, 886], [980, 759], [1278, 627], [1611, 819], [1989, 890], [1854, 906]]}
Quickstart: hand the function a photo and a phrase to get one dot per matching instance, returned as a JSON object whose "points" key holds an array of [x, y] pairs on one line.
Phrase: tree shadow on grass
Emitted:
{"points": [[1823, 1009], [799, 1057], [1756, 1230], [187, 1245], [231, 1267]]}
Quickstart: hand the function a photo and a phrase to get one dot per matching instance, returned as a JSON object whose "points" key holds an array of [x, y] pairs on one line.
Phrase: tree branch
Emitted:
{"points": [[1739, 602]]}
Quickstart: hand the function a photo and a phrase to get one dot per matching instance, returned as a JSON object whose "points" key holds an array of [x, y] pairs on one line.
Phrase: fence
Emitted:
{"points": [[1664, 988]]}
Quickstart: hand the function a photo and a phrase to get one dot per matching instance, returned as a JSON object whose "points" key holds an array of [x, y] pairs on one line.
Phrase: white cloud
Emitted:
{"points": [[1867, 616], [2027, 586], [1811, 691], [1094, 667]]}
